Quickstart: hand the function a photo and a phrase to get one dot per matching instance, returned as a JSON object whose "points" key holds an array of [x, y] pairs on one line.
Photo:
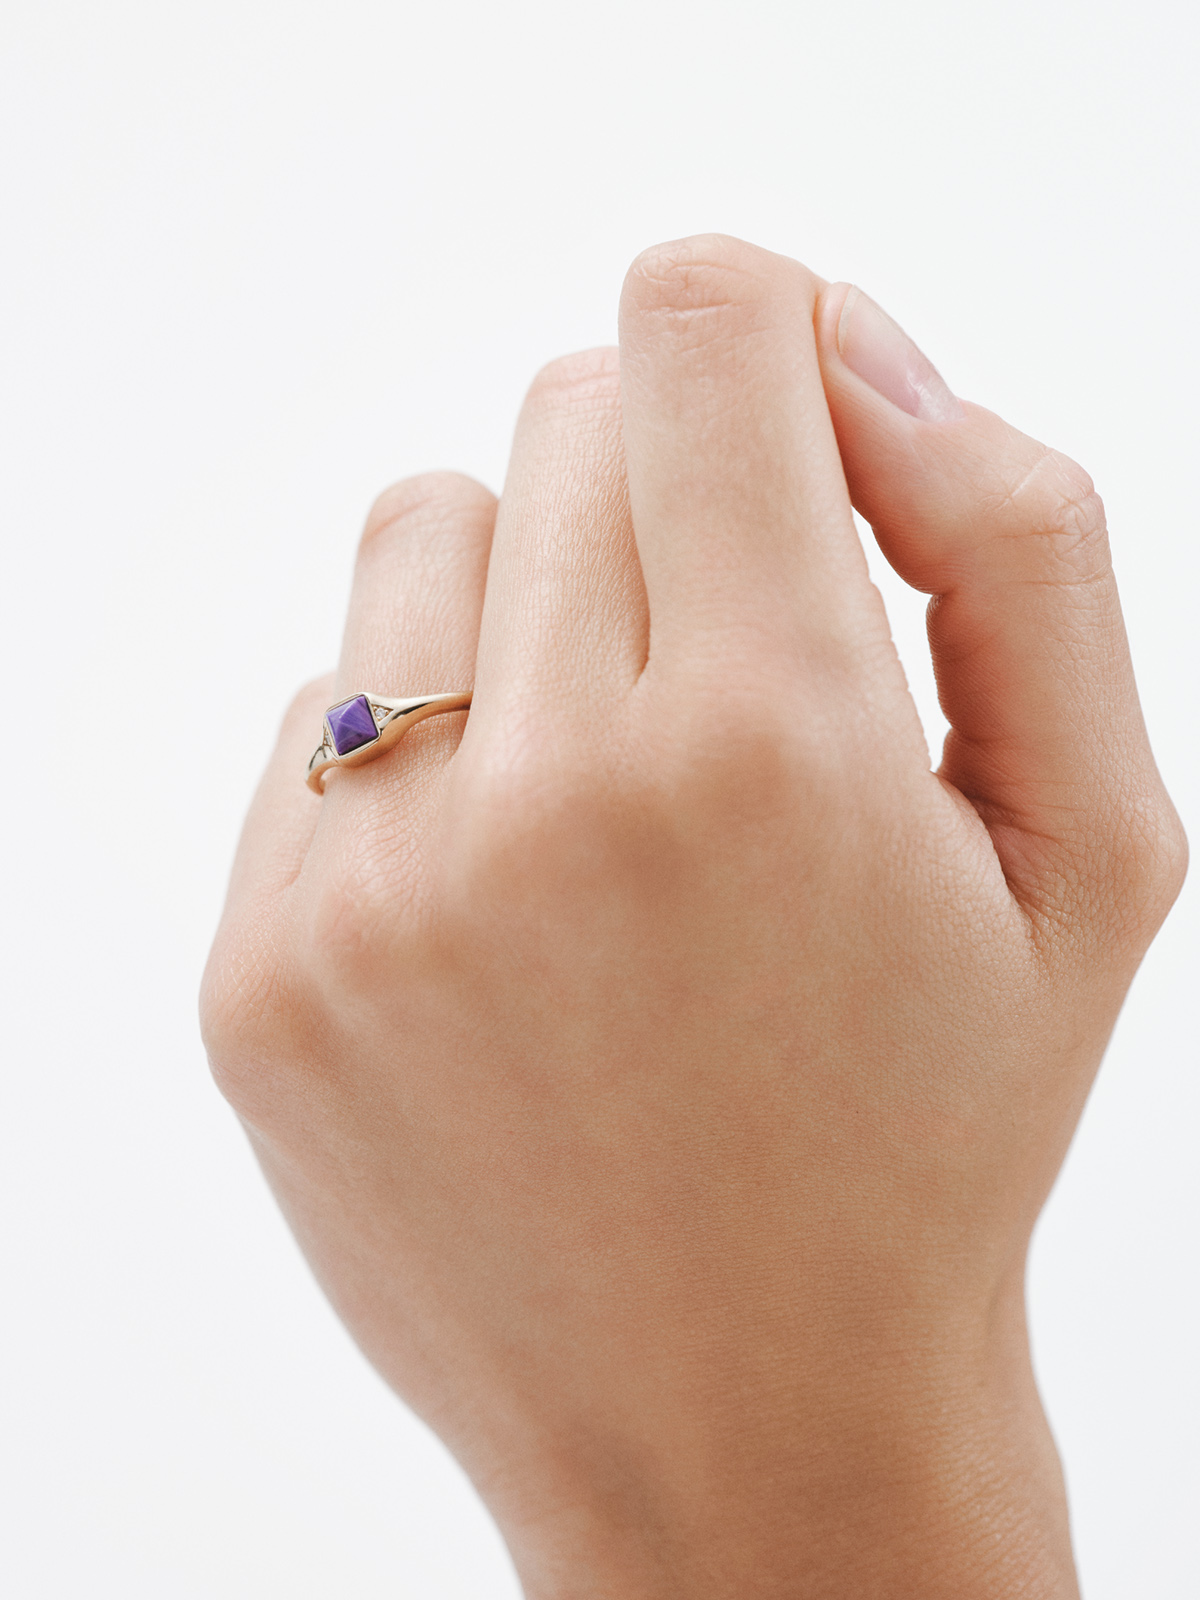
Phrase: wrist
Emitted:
{"points": [[927, 1472]]}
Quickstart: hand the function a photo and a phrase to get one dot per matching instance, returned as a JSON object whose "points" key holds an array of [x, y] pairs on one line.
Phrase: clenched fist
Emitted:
{"points": [[662, 1068]]}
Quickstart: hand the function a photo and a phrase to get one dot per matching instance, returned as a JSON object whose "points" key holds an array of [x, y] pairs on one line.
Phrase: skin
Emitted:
{"points": [[661, 1067]]}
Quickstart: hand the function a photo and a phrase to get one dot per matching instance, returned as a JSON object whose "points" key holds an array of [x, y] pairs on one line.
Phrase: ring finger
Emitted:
{"points": [[413, 628]]}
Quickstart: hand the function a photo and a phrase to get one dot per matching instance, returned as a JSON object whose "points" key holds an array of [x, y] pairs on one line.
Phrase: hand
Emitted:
{"points": [[661, 1067]]}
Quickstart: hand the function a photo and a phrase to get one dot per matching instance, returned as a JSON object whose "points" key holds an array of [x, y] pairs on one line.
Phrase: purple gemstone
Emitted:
{"points": [[351, 724]]}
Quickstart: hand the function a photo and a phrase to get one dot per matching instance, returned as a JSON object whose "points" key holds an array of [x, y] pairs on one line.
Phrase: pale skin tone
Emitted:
{"points": [[661, 1067]]}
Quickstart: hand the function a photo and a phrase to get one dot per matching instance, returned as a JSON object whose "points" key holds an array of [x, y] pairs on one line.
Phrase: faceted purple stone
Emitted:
{"points": [[351, 724]]}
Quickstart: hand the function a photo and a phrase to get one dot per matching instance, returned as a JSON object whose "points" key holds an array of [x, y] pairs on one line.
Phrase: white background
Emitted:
{"points": [[258, 259]]}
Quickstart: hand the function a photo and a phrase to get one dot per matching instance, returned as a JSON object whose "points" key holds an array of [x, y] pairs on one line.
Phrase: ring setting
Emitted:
{"points": [[358, 729]]}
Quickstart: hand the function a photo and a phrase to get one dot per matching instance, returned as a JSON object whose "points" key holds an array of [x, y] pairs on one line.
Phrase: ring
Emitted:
{"points": [[363, 727]]}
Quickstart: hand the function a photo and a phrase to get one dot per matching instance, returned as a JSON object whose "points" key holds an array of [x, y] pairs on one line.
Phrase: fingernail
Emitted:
{"points": [[882, 354]]}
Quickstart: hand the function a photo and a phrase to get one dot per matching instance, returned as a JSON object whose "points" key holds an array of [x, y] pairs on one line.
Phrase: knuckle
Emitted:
{"points": [[356, 921], [427, 501], [701, 273], [338, 931], [515, 800], [740, 753], [1156, 861], [1057, 503], [241, 999], [1123, 874], [537, 817], [690, 281], [577, 381]]}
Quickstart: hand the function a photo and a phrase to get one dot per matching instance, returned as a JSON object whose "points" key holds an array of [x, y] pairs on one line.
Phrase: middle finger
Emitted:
{"points": [[744, 525]]}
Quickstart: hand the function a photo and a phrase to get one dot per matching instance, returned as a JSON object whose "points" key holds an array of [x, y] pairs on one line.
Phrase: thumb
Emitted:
{"points": [[1047, 740]]}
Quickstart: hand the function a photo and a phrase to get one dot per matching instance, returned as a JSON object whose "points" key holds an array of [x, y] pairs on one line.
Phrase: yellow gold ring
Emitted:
{"points": [[364, 726]]}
